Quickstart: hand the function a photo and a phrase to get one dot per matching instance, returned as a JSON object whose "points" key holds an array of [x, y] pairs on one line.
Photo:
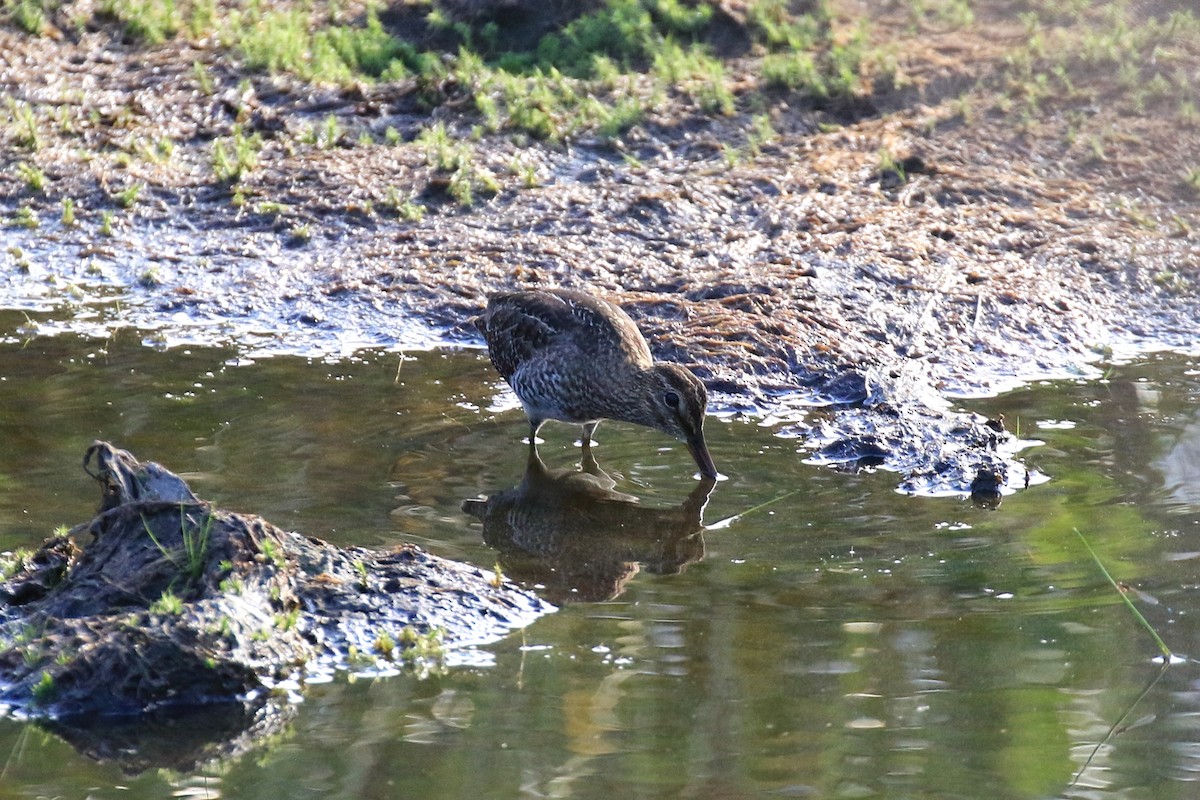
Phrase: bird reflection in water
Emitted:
{"points": [[572, 533]]}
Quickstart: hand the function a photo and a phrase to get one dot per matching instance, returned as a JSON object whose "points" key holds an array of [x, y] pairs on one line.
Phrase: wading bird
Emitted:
{"points": [[576, 358]]}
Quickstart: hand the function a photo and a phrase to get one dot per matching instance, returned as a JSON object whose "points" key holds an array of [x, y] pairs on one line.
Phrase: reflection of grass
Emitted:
{"points": [[727, 521]]}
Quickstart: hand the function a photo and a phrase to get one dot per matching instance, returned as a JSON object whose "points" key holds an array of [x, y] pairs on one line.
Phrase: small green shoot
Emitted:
{"points": [[1190, 178], [26, 217], [191, 557], [45, 689], [13, 562], [418, 645], [169, 604], [235, 156], [203, 80], [150, 278], [331, 132], [34, 178], [761, 133], [300, 235], [271, 552], [527, 171], [890, 167], [385, 645], [410, 211], [232, 585], [287, 621], [128, 197], [441, 151], [272, 207], [24, 125]]}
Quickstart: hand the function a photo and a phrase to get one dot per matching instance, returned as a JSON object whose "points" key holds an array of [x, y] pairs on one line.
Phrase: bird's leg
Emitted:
{"points": [[534, 426], [589, 428], [587, 461]]}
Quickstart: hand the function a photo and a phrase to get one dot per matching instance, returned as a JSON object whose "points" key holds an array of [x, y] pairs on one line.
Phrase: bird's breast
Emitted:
{"points": [[547, 392]]}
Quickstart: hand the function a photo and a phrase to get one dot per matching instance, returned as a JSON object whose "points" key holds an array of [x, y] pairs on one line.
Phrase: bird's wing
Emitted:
{"points": [[520, 326], [516, 328], [600, 322]]}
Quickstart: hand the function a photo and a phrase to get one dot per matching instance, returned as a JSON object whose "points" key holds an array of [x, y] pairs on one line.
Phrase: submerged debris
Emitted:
{"points": [[163, 601]]}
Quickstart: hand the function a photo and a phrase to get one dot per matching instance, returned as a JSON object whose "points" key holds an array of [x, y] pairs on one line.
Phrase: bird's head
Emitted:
{"points": [[675, 402]]}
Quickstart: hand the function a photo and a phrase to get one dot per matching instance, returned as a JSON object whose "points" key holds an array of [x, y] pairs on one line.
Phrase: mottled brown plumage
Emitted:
{"points": [[573, 357]]}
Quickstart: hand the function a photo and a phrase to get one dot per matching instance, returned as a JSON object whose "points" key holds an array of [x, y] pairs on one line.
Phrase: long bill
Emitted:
{"points": [[699, 451]]}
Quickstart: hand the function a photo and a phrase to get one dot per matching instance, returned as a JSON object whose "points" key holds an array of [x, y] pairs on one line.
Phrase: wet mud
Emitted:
{"points": [[796, 272]]}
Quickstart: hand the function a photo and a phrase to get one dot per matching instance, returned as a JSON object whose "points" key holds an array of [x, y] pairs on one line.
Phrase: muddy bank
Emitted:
{"points": [[795, 269], [163, 603]]}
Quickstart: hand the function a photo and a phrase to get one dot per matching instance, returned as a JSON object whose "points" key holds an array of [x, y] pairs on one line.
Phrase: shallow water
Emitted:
{"points": [[841, 641]]}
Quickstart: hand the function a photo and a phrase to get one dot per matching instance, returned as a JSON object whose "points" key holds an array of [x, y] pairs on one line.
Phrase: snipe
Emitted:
{"points": [[573, 357]]}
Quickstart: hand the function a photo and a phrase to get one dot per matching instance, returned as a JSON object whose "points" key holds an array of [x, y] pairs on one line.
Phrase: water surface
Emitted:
{"points": [[841, 641]]}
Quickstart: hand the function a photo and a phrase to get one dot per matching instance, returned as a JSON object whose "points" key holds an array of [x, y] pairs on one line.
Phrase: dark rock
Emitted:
{"points": [[176, 604]]}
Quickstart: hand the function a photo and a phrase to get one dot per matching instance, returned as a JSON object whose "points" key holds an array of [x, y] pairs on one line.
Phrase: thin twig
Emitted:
{"points": [[1162, 646], [727, 521], [1168, 658], [1112, 731], [399, 364]]}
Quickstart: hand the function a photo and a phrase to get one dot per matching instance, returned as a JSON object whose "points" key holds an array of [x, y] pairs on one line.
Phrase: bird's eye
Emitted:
{"points": [[671, 399]]}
